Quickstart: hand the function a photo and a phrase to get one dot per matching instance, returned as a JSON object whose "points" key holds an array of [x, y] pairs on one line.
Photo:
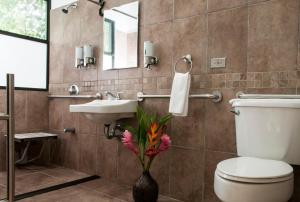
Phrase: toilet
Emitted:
{"points": [[268, 141]]}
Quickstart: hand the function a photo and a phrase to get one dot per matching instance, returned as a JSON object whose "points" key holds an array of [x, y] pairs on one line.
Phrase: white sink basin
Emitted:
{"points": [[106, 111]]}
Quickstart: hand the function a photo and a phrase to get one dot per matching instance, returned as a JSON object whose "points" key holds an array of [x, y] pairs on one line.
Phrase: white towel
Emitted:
{"points": [[179, 100]]}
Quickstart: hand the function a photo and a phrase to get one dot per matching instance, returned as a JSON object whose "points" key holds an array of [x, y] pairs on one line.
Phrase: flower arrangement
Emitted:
{"points": [[149, 139]]}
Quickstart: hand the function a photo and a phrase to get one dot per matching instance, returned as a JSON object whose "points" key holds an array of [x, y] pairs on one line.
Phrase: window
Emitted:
{"points": [[24, 42]]}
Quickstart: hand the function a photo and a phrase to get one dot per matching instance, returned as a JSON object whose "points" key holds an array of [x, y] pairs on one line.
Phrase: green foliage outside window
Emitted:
{"points": [[25, 17]]}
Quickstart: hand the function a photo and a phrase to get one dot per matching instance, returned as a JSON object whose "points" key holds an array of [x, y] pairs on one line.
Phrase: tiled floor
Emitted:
{"points": [[99, 190], [31, 178]]}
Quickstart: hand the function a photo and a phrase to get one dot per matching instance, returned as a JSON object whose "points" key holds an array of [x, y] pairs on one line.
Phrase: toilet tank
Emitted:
{"points": [[268, 128]]}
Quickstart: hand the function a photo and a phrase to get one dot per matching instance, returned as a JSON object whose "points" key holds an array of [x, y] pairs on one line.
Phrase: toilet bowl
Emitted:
{"points": [[267, 140], [248, 179]]}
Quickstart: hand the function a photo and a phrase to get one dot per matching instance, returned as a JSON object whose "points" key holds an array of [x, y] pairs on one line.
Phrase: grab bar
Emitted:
{"points": [[97, 96], [4, 116], [216, 96], [242, 95]]}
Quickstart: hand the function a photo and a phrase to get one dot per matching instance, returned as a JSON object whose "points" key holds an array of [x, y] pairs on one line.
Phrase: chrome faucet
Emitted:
{"points": [[111, 96]]}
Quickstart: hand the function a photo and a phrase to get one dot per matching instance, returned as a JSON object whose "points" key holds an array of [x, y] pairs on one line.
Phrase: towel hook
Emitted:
{"points": [[187, 59]]}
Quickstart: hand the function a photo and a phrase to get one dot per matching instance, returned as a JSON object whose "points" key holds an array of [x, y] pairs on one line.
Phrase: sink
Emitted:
{"points": [[106, 111]]}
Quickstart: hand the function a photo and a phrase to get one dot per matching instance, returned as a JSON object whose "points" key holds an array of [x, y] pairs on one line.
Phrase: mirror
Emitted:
{"points": [[120, 37]]}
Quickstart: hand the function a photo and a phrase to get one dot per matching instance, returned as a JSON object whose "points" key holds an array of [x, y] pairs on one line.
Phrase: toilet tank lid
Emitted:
{"points": [[281, 103], [250, 167]]}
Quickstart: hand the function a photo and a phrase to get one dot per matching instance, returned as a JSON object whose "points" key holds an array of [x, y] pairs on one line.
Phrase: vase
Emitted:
{"points": [[145, 189]]}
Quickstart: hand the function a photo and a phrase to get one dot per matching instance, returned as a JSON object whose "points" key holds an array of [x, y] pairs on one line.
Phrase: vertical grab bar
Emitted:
{"points": [[10, 145]]}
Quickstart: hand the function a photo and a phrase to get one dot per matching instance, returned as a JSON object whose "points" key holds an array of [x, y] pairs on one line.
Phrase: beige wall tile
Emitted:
{"points": [[56, 62], [37, 111], [88, 153], [190, 37], [107, 156], [185, 176], [129, 168], [21, 111], [55, 114], [184, 8], [157, 11], [273, 35], [214, 5], [227, 37], [219, 124], [188, 131]]}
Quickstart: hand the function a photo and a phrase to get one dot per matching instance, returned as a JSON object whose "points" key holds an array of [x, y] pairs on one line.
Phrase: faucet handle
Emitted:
{"points": [[118, 95], [98, 96]]}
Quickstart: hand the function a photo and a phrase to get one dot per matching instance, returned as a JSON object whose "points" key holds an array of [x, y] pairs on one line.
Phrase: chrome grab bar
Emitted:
{"points": [[97, 96], [242, 95], [4, 116], [216, 96]]}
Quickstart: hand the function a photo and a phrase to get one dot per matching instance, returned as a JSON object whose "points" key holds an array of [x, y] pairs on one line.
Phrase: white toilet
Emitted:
{"points": [[268, 140]]}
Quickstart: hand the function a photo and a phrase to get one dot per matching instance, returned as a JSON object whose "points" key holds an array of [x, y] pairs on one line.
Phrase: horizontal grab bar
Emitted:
{"points": [[97, 96], [216, 96], [242, 95], [4, 116]]}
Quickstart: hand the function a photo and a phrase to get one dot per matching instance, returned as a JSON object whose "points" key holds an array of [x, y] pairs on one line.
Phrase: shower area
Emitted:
{"points": [[33, 159], [28, 167]]}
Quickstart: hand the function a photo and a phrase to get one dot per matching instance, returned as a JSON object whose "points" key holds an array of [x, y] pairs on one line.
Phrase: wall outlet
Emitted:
{"points": [[218, 62]]}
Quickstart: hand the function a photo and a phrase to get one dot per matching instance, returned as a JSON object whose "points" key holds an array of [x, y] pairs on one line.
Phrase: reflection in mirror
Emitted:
{"points": [[120, 40]]}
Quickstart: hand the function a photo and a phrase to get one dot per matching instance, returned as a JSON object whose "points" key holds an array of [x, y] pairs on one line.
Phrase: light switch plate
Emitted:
{"points": [[218, 62]]}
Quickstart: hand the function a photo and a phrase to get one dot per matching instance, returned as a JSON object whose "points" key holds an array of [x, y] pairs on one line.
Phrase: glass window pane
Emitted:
{"points": [[24, 58], [25, 17]]}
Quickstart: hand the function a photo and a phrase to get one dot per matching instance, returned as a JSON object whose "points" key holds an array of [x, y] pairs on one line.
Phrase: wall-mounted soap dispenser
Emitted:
{"points": [[88, 55], [84, 56], [149, 57], [78, 57]]}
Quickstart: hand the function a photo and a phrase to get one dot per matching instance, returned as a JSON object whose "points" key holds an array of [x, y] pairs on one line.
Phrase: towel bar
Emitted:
{"points": [[216, 96], [242, 95]]}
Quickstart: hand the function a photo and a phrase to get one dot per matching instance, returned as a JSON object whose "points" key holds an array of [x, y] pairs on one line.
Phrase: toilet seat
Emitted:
{"points": [[248, 179], [254, 170]]}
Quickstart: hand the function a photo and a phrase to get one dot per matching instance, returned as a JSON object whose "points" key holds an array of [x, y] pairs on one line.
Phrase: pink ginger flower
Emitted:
{"points": [[127, 141], [165, 143]]}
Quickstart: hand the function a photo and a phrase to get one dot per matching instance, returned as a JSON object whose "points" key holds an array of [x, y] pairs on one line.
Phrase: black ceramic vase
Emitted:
{"points": [[145, 189]]}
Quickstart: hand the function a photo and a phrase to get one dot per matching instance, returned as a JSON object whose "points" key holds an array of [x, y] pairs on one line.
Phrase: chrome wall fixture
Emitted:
{"points": [[149, 55], [66, 8], [216, 96], [9, 116], [187, 59], [69, 130], [84, 56], [100, 3], [74, 90], [97, 96]]}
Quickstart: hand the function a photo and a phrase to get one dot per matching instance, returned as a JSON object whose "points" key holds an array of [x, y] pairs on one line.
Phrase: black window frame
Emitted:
{"points": [[45, 41]]}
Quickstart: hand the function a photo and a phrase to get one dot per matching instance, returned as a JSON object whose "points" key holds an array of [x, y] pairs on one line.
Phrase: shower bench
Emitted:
{"points": [[28, 139]]}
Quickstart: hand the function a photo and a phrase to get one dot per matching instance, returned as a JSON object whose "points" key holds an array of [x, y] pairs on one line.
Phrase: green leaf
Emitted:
{"points": [[163, 120]]}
